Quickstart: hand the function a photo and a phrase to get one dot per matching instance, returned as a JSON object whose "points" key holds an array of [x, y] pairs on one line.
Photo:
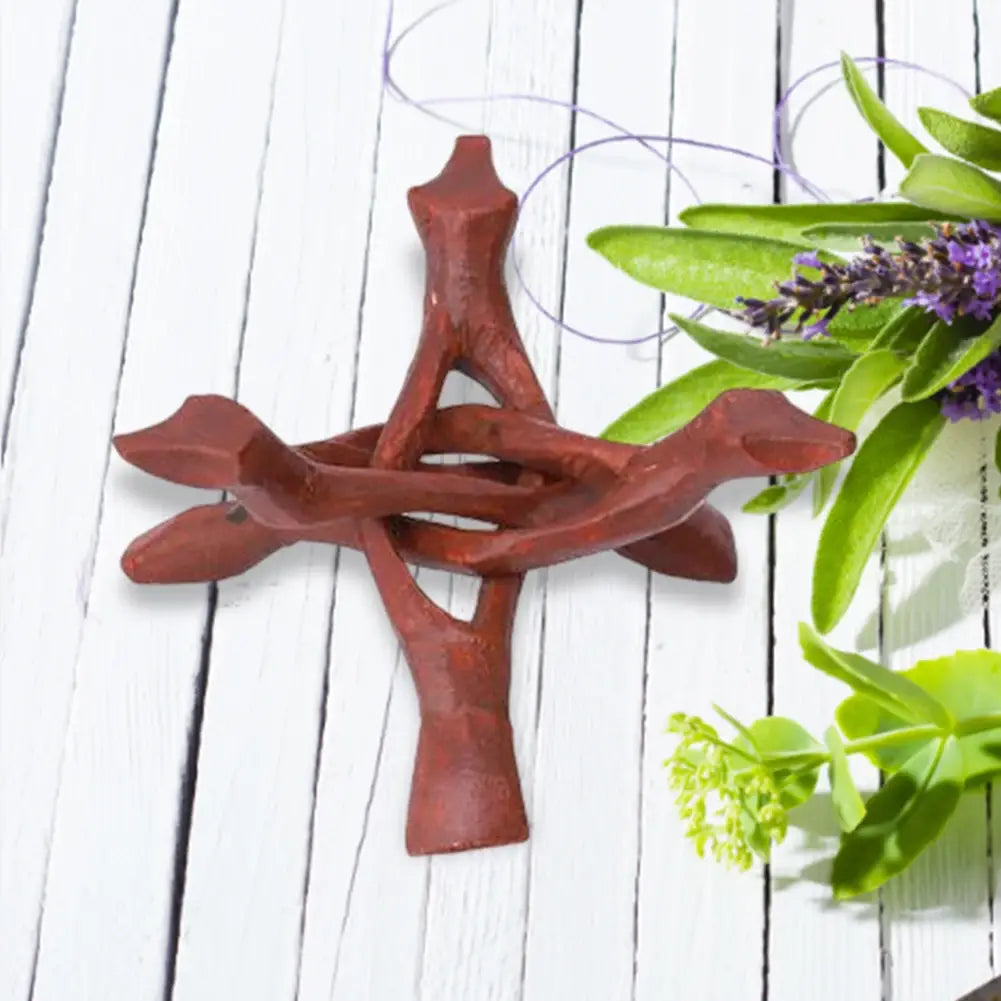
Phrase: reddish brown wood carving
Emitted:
{"points": [[554, 495]]}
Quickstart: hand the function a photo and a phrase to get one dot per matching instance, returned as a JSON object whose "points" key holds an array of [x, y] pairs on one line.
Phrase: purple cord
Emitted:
{"points": [[777, 162], [777, 154]]}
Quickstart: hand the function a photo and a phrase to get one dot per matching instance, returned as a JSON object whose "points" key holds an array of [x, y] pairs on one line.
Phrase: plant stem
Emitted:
{"points": [[977, 724], [892, 738]]}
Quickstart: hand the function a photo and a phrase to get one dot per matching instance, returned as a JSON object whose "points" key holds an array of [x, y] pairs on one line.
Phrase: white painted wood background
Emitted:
{"points": [[202, 790]]}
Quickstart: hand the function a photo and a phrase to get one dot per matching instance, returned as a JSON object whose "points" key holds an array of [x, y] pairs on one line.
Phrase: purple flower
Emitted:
{"points": [[944, 310], [955, 274], [980, 309], [958, 252], [818, 329], [807, 259], [976, 394], [981, 255], [986, 283], [927, 300]]}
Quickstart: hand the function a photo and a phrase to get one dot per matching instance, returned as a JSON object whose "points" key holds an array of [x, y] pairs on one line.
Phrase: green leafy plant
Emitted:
{"points": [[922, 320], [935, 731]]}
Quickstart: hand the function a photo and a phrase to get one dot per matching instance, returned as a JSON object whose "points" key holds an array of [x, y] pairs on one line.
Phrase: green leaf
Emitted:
{"points": [[846, 237], [947, 185], [806, 361], [713, 268], [716, 268], [904, 331], [971, 142], [856, 328], [967, 683], [988, 104], [882, 468], [777, 735], [675, 404], [893, 135], [890, 690], [790, 222], [862, 385], [901, 820], [949, 351], [848, 804], [776, 496], [742, 730]]}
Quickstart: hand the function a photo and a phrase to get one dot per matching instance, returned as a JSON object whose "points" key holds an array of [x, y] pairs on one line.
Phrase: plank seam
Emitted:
{"points": [[157, 117], [544, 589], [648, 624], [22, 334], [261, 171], [883, 932], [321, 730], [985, 570], [422, 935], [189, 779], [186, 804], [328, 662], [88, 576], [772, 550], [364, 831], [977, 79]]}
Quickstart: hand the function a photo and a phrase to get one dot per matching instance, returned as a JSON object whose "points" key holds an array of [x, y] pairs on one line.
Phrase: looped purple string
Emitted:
{"points": [[777, 154], [777, 162]]}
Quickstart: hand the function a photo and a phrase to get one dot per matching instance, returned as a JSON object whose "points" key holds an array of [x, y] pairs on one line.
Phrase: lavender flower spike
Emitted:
{"points": [[958, 273]]}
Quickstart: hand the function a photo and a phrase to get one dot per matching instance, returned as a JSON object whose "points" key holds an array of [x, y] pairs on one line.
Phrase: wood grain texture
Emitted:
{"points": [[67, 388], [116, 839], [719, 906], [588, 729], [34, 55], [806, 932], [203, 791], [267, 679]]}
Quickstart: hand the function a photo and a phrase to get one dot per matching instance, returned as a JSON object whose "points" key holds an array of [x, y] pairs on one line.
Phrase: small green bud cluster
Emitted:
{"points": [[727, 796]]}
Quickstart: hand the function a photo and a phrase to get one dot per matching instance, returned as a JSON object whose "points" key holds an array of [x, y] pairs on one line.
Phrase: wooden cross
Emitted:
{"points": [[554, 495]]}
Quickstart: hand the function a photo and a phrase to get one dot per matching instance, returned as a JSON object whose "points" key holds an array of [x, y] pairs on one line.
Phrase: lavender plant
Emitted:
{"points": [[914, 307]]}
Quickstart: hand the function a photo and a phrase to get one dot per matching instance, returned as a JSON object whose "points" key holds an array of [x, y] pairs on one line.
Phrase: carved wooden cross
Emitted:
{"points": [[555, 495]]}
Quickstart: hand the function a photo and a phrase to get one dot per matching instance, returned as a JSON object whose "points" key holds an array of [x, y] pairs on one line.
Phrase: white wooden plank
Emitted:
{"points": [[59, 437], [366, 897], [586, 802], [245, 879], [707, 641], [817, 949], [34, 52], [113, 851], [477, 903], [940, 906], [989, 25], [379, 924]]}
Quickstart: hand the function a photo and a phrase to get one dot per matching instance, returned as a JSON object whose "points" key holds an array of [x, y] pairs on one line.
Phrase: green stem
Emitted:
{"points": [[905, 735], [977, 724], [804, 760]]}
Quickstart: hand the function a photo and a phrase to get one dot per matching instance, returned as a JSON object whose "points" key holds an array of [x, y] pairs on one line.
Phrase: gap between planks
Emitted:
{"points": [[36, 256]]}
